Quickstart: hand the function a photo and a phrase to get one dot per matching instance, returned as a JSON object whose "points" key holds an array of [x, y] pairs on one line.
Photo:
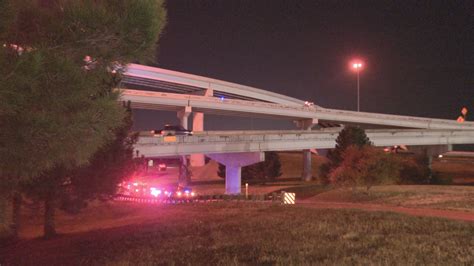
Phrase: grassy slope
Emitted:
{"points": [[143, 234], [426, 196], [441, 197], [232, 233]]}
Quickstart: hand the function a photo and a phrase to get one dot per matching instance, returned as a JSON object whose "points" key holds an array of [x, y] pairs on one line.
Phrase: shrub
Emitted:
{"points": [[365, 166], [415, 170], [439, 179], [349, 136]]}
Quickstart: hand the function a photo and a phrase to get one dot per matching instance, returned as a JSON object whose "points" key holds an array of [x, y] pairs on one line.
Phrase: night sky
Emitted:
{"points": [[419, 55]]}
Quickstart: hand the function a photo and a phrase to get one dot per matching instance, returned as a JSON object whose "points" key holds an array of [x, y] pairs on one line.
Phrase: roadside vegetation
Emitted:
{"points": [[251, 233], [459, 198]]}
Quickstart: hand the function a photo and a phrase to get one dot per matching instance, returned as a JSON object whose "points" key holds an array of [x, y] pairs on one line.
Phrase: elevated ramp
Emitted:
{"points": [[233, 107], [145, 77]]}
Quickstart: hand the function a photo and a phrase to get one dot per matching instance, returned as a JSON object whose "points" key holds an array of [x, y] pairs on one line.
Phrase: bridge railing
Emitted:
{"points": [[296, 135]]}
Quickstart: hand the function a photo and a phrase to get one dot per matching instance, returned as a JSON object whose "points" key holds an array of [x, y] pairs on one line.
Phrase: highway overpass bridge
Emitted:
{"points": [[160, 89], [210, 142], [236, 149]]}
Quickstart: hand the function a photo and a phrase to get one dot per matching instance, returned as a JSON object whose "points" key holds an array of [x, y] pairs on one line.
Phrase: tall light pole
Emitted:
{"points": [[357, 66]]}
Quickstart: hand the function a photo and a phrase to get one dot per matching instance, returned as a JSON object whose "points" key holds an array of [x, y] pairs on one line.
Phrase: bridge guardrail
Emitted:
{"points": [[271, 197]]}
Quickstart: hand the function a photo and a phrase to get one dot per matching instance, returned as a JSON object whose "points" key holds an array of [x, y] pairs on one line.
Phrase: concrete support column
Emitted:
{"points": [[183, 116], [233, 179], [307, 169], [233, 167], [431, 151], [198, 125], [436, 150], [306, 124], [184, 177]]}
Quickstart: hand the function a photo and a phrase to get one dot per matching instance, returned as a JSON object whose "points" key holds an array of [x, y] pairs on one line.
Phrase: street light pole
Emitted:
{"points": [[357, 66], [358, 92]]}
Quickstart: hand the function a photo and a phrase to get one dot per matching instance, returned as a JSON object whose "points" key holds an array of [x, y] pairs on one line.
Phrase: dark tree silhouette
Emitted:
{"points": [[348, 136]]}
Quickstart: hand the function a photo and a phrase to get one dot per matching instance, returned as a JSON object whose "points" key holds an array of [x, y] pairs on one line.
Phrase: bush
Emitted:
{"points": [[349, 136], [365, 166], [439, 179], [415, 170], [324, 171]]}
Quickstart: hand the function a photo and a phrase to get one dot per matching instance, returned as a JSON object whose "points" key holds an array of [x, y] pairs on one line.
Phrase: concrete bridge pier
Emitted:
{"points": [[183, 116], [306, 124], [198, 125], [233, 167]]}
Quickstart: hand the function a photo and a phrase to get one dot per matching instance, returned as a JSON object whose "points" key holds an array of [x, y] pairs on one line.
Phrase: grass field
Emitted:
{"points": [[117, 233], [459, 198], [252, 233], [450, 197]]}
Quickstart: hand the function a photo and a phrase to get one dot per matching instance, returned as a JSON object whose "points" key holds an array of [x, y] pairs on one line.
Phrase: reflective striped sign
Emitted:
{"points": [[288, 198]]}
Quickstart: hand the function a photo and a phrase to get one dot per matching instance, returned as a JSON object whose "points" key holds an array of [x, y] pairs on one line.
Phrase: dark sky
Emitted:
{"points": [[419, 55]]}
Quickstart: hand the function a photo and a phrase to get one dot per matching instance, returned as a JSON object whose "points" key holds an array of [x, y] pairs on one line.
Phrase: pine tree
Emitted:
{"points": [[348, 136], [59, 63], [110, 165]]}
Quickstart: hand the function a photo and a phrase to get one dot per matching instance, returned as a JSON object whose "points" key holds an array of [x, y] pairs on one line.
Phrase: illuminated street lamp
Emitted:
{"points": [[357, 66]]}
